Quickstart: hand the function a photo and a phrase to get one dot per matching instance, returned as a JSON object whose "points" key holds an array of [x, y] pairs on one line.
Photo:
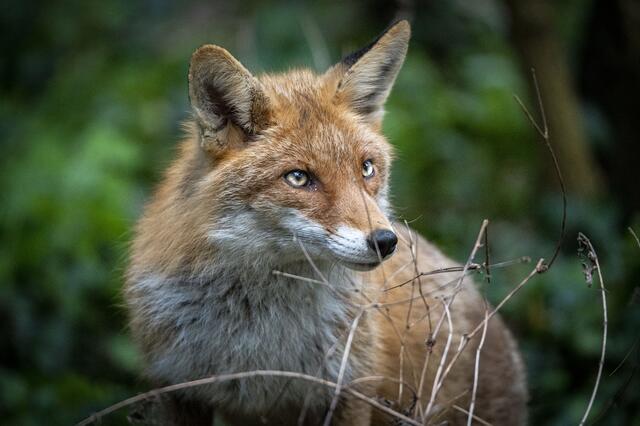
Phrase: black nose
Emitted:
{"points": [[384, 240]]}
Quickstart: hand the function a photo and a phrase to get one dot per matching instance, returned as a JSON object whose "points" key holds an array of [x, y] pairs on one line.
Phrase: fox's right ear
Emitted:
{"points": [[367, 75], [228, 104]]}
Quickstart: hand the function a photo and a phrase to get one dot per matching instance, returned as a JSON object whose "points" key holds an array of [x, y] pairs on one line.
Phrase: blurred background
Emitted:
{"points": [[92, 96]]}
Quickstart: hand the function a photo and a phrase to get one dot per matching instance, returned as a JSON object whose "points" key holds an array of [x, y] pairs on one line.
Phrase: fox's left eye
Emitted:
{"points": [[297, 178], [367, 169]]}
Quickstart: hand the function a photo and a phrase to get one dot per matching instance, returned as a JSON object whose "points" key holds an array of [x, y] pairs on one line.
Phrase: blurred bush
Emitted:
{"points": [[92, 100]]}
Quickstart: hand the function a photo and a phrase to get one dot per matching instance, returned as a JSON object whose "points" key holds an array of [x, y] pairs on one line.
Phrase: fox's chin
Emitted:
{"points": [[361, 266]]}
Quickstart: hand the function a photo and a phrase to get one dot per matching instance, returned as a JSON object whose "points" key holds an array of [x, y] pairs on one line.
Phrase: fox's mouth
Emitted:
{"points": [[365, 266], [368, 266]]}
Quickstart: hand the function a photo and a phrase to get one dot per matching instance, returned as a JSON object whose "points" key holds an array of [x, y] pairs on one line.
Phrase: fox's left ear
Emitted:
{"points": [[228, 103], [368, 74]]}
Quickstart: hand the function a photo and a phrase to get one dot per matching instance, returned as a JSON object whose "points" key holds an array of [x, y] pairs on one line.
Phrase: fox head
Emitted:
{"points": [[289, 165]]}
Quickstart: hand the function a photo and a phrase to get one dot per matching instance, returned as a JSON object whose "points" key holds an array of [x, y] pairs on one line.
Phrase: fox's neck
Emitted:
{"points": [[274, 280], [317, 297]]}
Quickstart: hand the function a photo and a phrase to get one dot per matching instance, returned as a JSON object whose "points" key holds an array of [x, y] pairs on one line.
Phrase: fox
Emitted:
{"points": [[270, 246]]}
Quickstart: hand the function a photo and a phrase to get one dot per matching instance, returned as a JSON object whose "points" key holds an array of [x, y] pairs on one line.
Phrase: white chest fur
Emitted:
{"points": [[237, 321]]}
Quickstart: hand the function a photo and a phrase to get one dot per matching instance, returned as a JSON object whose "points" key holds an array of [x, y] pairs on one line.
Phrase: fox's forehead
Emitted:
{"points": [[300, 97], [297, 86], [309, 122]]}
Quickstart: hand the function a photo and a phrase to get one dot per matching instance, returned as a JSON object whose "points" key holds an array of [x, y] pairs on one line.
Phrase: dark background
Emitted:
{"points": [[92, 95]]}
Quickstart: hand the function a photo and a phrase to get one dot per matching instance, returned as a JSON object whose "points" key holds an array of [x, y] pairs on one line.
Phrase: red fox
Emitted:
{"points": [[268, 246]]}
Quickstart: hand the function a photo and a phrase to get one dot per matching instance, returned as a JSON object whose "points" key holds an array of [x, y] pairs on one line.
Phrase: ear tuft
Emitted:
{"points": [[369, 73], [223, 92]]}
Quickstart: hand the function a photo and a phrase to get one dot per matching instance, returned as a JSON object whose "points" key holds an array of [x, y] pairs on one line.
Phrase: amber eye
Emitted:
{"points": [[297, 178], [367, 169]]}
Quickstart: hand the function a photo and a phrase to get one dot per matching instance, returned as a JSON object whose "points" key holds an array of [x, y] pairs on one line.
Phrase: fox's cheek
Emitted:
{"points": [[376, 184], [299, 225], [382, 199], [302, 199]]}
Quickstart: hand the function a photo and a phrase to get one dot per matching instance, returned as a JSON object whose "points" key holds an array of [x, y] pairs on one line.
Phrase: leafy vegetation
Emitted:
{"points": [[92, 99]]}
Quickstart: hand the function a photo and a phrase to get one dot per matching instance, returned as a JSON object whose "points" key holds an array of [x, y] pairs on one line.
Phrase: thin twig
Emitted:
{"points": [[476, 418], [472, 255], [301, 278], [539, 269], [472, 267], [443, 359], [375, 242], [235, 376], [414, 258], [379, 378], [412, 250], [476, 369], [544, 134], [635, 236], [447, 270], [343, 367], [626, 356], [309, 394], [592, 257], [487, 263], [312, 263], [445, 407]]}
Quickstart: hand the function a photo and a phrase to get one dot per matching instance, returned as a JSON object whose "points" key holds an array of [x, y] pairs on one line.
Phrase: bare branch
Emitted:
{"points": [[464, 342], [312, 263], [487, 263], [343, 367], [476, 369], [443, 359], [544, 134], [472, 267], [476, 418], [448, 303], [301, 278], [635, 236], [235, 376], [586, 248]]}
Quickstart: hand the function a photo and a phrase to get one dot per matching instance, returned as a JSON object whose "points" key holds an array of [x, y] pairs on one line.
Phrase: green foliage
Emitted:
{"points": [[89, 114]]}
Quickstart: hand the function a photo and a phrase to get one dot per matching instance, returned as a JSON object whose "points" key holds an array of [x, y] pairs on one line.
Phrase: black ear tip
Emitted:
{"points": [[396, 26], [399, 28]]}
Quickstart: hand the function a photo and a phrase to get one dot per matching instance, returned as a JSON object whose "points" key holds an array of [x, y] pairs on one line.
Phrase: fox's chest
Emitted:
{"points": [[288, 328]]}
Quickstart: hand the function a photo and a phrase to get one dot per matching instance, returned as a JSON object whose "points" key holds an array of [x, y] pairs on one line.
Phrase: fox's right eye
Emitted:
{"points": [[297, 178]]}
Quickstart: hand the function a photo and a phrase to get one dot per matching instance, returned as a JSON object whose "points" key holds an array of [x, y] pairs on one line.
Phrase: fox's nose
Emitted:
{"points": [[384, 240]]}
